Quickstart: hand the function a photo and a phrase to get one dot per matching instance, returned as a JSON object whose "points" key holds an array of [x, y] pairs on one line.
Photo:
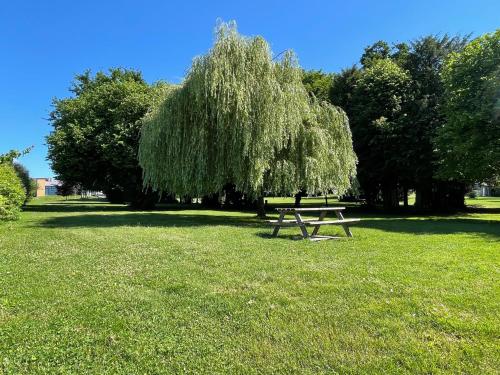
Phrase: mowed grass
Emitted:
{"points": [[88, 287]]}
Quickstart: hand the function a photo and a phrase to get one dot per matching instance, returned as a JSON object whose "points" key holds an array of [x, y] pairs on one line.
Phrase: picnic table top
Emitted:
{"points": [[310, 209]]}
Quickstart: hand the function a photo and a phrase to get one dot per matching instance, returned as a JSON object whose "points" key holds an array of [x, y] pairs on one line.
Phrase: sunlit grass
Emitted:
{"points": [[88, 287]]}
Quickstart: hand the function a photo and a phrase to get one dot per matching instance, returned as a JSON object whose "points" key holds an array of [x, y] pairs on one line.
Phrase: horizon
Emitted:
{"points": [[43, 60]]}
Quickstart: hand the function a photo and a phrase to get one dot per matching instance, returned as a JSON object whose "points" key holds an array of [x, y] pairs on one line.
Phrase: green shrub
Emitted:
{"points": [[472, 194], [12, 193], [28, 183]]}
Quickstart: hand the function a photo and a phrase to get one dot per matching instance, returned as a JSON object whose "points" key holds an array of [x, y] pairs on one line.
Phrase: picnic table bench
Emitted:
{"points": [[316, 223]]}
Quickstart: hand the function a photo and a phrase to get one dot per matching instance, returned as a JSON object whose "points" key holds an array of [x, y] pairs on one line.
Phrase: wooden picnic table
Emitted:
{"points": [[316, 223]]}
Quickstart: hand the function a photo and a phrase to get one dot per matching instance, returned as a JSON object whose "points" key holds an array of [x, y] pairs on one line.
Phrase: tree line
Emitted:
{"points": [[424, 117]]}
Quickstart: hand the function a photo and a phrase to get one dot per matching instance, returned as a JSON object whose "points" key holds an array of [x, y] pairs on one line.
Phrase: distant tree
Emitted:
{"points": [[96, 134], [66, 189], [377, 51], [317, 83], [28, 183], [469, 141], [343, 87], [246, 119]]}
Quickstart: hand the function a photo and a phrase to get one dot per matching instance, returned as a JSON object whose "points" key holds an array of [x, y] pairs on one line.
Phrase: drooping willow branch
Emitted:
{"points": [[241, 117]]}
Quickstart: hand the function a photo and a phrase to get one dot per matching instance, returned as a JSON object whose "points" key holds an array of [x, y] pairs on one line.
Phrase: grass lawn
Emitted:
{"points": [[88, 287]]}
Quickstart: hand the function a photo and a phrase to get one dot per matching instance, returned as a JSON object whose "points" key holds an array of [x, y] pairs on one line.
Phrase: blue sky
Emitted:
{"points": [[43, 44]]}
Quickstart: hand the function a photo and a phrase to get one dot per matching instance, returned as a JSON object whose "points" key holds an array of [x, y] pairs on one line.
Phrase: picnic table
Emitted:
{"points": [[316, 223]]}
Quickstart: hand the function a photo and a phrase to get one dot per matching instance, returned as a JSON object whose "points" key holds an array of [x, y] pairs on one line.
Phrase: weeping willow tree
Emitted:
{"points": [[244, 118]]}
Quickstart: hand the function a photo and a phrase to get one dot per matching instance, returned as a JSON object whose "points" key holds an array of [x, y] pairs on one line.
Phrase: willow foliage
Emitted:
{"points": [[244, 118]]}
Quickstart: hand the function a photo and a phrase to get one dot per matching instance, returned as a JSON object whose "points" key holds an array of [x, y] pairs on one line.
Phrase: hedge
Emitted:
{"points": [[12, 193]]}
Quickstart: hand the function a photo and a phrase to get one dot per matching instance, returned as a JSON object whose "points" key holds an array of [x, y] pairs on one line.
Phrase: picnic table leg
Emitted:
{"points": [[345, 226], [278, 226], [316, 228], [301, 224]]}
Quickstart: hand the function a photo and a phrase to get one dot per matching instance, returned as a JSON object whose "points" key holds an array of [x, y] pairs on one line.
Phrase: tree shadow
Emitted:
{"points": [[100, 214], [483, 210], [445, 225], [268, 235], [147, 219], [82, 207]]}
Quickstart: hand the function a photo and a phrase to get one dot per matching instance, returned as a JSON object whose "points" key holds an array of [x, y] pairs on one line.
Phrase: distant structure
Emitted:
{"points": [[46, 186], [486, 190]]}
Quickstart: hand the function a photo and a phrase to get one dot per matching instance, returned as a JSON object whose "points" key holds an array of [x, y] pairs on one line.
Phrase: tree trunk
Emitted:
{"points": [[234, 198], [261, 209], [298, 198], [114, 195], [390, 197], [449, 196], [144, 200], [168, 198], [210, 201], [326, 200], [371, 197], [405, 197], [423, 199]]}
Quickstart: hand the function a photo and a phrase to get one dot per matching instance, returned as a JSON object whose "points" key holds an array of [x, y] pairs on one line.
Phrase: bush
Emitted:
{"points": [[472, 194], [12, 194]]}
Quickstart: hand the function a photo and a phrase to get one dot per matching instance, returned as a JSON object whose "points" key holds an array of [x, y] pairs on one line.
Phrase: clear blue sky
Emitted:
{"points": [[45, 43]]}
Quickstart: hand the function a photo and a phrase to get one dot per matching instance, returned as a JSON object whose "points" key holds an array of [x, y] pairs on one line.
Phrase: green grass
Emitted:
{"points": [[95, 288]]}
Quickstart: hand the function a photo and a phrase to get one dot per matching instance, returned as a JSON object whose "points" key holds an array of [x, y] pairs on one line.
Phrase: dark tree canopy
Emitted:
{"points": [[394, 104], [96, 134], [377, 124]]}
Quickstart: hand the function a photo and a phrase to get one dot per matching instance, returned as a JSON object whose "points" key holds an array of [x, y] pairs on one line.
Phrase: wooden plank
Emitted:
{"points": [[312, 209], [277, 227], [332, 222], [301, 224], [323, 238], [316, 228], [283, 224], [345, 226], [309, 209], [288, 221]]}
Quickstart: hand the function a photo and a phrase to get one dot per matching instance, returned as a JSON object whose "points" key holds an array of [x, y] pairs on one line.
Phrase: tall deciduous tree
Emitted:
{"points": [[377, 122], [96, 134], [423, 58], [470, 139], [242, 118]]}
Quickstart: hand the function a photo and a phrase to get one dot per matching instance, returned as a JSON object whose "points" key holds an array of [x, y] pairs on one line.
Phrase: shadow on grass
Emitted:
{"points": [[82, 207], [434, 226], [108, 215], [267, 235], [482, 210], [147, 219], [178, 219]]}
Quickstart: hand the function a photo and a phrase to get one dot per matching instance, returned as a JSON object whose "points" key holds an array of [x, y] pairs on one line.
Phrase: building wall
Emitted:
{"points": [[50, 190], [40, 186]]}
